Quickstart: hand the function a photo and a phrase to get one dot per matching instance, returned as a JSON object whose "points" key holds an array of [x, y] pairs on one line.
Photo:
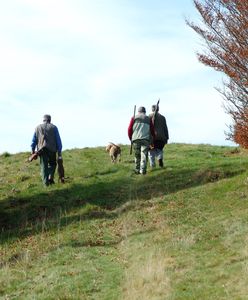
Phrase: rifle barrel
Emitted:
{"points": [[134, 112]]}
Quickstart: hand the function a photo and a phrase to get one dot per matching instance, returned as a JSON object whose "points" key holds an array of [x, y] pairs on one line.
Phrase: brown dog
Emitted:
{"points": [[114, 151]]}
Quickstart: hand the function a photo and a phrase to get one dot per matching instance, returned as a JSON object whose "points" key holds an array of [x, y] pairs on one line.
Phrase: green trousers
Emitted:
{"points": [[47, 165], [141, 148]]}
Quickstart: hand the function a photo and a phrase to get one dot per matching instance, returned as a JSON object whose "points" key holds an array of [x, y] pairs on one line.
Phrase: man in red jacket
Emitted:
{"points": [[140, 133]]}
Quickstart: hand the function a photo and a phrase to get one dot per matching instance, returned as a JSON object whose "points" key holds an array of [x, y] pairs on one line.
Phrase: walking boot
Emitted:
{"points": [[160, 163], [51, 180]]}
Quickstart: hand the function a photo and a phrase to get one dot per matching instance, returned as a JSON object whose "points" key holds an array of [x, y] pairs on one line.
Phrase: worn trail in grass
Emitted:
{"points": [[176, 233]]}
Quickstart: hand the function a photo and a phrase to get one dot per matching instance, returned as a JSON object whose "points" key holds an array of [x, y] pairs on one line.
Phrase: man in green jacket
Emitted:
{"points": [[161, 137], [140, 133]]}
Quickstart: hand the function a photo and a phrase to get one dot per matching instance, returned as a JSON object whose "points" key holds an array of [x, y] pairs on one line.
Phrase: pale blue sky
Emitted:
{"points": [[88, 62]]}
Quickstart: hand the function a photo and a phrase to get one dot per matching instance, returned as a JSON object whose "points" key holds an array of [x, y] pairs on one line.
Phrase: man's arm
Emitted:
{"points": [[58, 141], [130, 129], [166, 132], [152, 128], [34, 142]]}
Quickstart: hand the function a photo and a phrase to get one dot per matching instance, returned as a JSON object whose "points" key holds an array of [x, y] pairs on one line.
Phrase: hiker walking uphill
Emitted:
{"points": [[161, 138], [48, 142], [140, 133]]}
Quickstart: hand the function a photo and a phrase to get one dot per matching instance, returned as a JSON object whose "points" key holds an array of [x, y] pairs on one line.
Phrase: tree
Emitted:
{"points": [[240, 130], [225, 34]]}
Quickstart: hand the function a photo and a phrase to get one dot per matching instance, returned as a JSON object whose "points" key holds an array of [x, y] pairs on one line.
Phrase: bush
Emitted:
{"points": [[5, 154]]}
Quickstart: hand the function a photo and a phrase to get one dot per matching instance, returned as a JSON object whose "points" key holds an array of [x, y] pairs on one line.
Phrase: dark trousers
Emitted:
{"points": [[47, 165], [159, 144]]}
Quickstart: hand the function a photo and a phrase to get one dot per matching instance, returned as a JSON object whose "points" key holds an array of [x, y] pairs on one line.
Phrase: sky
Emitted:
{"points": [[88, 62]]}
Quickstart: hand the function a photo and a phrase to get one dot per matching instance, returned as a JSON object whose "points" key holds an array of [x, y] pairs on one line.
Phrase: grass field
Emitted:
{"points": [[180, 232]]}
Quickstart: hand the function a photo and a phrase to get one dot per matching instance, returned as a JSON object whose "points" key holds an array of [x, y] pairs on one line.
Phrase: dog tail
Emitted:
{"points": [[114, 144]]}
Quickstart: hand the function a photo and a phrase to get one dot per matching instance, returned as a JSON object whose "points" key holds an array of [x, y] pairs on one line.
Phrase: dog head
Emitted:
{"points": [[109, 147]]}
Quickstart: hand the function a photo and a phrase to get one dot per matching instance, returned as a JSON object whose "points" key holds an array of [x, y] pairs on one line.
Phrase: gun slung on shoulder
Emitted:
{"points": [[131, 148], [156, 110]]}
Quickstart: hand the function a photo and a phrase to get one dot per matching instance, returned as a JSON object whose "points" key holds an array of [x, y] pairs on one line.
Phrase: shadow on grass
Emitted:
{"points": [[21, 216]]}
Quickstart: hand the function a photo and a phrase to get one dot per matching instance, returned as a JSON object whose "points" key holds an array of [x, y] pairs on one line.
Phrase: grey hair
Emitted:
{"points": [[47, 118], [141, 109]]}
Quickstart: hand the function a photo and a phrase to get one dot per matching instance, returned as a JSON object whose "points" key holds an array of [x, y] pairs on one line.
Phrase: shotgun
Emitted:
{"points": [[61, 170], [35, 155], [134, 112], [156, 111]]}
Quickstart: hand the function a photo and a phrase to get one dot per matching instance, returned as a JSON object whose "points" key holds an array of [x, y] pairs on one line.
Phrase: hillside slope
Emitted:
{"points": [[176, 233]]}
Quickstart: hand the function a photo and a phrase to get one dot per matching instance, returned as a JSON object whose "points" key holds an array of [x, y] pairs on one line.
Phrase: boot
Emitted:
{"points": [[160, 163], [50, 180]]}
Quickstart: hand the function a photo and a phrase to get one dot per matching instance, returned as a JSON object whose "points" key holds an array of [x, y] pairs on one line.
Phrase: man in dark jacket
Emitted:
{"points": [[161, 137], [140, 133], [48, 142]]}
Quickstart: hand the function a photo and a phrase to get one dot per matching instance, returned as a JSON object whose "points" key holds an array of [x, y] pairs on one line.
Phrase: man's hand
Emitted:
{"points": [[33, 156]]}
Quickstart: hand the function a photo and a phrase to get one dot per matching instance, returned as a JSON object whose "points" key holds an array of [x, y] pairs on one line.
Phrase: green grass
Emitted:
{"points": [[176, 233]]}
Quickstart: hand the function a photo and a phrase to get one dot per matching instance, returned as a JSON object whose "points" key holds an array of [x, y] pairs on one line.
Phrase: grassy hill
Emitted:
{"points": [[176, 233]]}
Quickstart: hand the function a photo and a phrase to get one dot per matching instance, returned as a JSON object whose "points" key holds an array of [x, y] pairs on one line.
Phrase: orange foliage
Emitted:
{"points": [[240, 134], [225, 34]]}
